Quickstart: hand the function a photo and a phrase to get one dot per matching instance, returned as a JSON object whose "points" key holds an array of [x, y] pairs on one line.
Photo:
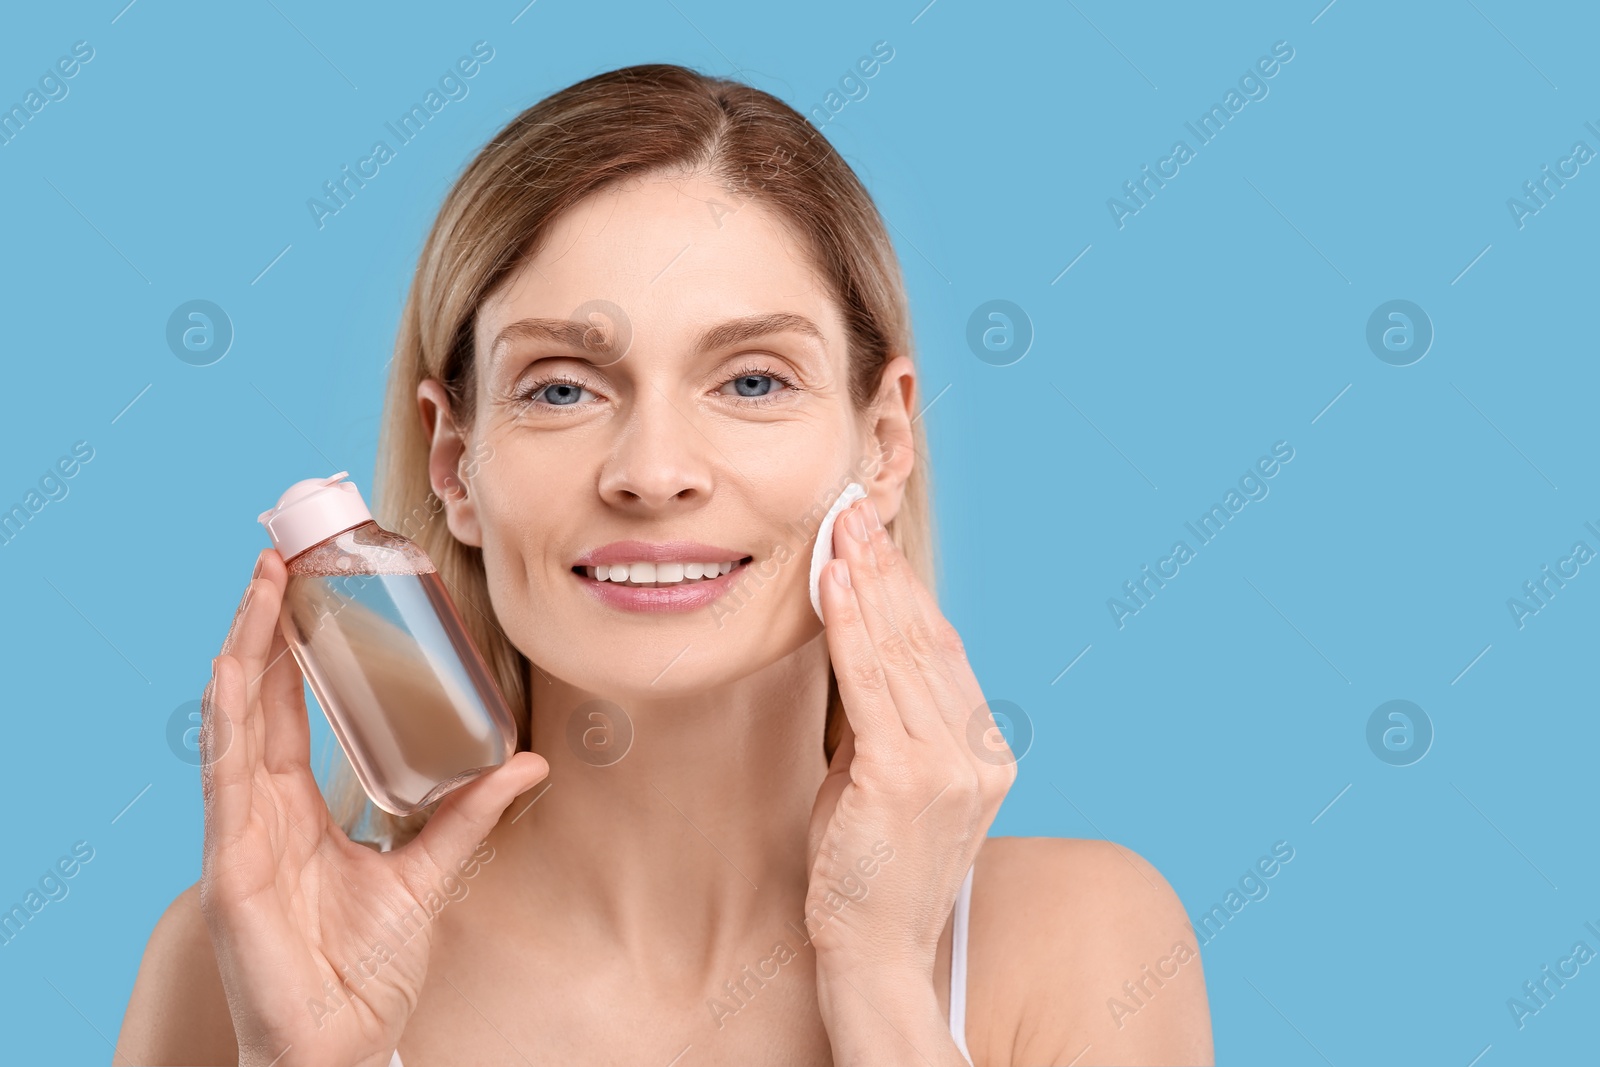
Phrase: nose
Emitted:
{"points": [[661, 458]]}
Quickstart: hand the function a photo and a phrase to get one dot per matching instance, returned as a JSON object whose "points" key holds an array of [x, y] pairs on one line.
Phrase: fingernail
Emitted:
{"points": [[841, 572], [872, 511], [853, 524], [257, 572]]}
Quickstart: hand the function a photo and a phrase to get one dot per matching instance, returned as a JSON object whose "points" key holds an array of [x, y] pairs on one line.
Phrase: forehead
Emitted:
{"points": [[673, 254]]}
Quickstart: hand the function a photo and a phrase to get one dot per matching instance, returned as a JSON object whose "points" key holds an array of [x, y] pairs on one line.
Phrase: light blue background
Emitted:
{"points": [[1225, 316]]}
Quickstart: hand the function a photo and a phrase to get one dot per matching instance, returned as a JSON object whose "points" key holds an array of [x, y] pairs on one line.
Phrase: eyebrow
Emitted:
{"points": [[737, 331], [565, 332], [576, 335]]}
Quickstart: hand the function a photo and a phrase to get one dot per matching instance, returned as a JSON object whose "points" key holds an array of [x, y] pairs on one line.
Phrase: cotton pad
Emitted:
{"points": [[822, 551]]}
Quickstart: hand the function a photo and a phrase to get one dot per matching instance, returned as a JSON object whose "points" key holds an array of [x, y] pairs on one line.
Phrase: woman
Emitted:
{"points": [[658, 321]]}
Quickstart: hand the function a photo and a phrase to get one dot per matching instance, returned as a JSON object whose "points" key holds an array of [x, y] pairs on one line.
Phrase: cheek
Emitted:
{"points": [[518, 520]]}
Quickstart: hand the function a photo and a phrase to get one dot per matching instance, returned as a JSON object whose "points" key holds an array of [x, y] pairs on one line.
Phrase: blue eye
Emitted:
{"points": [[553, 393], [754, 384], [561, 394]]}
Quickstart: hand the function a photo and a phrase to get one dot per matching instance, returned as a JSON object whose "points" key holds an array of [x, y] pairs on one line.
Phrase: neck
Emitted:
{"points": [[685, 840]]}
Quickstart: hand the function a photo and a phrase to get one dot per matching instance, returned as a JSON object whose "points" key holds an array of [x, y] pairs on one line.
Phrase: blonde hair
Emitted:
{"points": [[639, 120]]}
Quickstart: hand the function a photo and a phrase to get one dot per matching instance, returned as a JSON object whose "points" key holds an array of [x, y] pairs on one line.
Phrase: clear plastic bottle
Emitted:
{"points": [[376, 634]]}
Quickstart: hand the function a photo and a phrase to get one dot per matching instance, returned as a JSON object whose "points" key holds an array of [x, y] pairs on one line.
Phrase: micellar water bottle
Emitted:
{"points": [[369, 621]]}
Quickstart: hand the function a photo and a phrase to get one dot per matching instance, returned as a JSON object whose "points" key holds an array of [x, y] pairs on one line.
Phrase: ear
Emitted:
{"points": [[447, 454], [893, 416]]}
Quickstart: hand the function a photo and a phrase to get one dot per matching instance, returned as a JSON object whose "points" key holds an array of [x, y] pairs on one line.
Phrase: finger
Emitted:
{"points": [[914, 611], [283, 708], [256, 620], [933, 644], [231, 644], [956, 670], [936, 644], [863, 683], [466, 816], [956, 686], [280, 687], [875, 588], [230, 729], [226, 760]]}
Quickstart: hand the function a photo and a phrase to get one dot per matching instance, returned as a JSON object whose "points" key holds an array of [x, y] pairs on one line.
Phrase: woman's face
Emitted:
{"points": [[668, 369]]}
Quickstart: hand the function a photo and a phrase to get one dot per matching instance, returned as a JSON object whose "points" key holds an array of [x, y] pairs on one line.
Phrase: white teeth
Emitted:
{"points": [[658, 573]]}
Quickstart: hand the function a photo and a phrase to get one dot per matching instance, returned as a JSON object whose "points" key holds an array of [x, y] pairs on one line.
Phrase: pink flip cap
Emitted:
{"points": [[312, 511]]}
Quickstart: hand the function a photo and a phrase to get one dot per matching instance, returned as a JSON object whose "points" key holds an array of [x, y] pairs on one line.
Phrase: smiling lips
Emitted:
{"points": [[658, 576]]}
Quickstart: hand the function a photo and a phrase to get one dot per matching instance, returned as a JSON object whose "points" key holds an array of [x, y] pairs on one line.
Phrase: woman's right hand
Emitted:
{"points": [[289, 899]]}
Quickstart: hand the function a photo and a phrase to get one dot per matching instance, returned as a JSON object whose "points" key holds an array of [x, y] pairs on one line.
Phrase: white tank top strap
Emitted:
{"points": [[958, 972], [958, 966]]}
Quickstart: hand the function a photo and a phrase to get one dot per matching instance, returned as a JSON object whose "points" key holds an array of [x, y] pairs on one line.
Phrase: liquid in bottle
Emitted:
{"points": [[372, 625]]}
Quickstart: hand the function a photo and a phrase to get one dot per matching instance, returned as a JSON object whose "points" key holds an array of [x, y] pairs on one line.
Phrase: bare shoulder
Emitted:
{"points": [[1081, 953], [178, 1012]]}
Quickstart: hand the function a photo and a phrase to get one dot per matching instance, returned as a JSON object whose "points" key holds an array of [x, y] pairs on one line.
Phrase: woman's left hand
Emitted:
{"points": [[908, 799]]}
